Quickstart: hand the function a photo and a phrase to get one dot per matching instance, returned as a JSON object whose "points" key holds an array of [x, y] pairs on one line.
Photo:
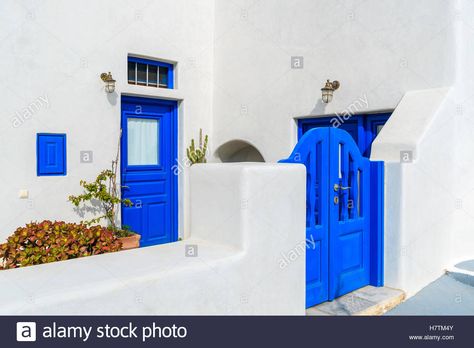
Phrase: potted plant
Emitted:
{"points": [[129, 239], [105, 191]]}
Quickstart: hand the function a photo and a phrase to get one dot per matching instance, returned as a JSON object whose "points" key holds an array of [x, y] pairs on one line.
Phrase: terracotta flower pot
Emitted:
{"points": [[130, 242]]}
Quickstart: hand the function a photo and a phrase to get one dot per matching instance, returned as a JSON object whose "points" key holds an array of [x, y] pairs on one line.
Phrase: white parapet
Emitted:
{"points": [[418, 147], [246, 219]]}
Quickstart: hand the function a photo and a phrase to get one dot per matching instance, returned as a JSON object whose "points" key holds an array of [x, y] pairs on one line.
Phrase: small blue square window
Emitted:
{"points": [[50, 154]]}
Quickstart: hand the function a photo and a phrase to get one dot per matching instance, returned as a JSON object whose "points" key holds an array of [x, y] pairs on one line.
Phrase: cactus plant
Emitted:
{"points": [[197, 155]]}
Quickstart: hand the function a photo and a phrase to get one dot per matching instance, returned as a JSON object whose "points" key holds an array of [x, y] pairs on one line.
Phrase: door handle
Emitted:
{"points": [[337, 187]]}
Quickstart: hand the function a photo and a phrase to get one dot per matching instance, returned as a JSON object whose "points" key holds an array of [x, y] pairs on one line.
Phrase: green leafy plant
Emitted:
{"points": [[198, 155], [105, 191], [47, 241], [125, 231]]}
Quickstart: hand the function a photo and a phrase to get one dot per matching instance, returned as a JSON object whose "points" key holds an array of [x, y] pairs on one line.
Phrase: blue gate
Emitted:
{"points": [[344, 215]]}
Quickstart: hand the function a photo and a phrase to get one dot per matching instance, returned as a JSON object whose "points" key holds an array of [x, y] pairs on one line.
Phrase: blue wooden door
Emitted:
{"points": [[338, 214], [148, 151]]}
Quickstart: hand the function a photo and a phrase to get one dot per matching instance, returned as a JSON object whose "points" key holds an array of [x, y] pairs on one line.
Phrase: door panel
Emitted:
{"points": [[148, 153]]}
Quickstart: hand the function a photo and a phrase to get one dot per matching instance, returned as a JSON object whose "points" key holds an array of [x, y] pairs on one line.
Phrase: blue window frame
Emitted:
{"points": [[50, 154], [363, 128], [150, 73]]}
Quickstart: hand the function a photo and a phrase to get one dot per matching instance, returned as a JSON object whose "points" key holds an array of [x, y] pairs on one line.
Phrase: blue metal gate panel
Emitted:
{"points": [[313, 151], [349, 228], [344, 214]]}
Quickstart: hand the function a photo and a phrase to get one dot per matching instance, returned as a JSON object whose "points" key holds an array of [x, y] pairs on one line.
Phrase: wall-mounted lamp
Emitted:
{"points": [[328, 90], [109, 82]]}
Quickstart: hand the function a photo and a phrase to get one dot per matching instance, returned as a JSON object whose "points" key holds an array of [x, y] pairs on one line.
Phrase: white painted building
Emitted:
{"points": [[234, 76]]}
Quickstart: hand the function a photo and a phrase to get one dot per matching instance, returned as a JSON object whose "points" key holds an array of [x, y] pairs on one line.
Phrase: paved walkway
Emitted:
{"points": [[445, 296]]}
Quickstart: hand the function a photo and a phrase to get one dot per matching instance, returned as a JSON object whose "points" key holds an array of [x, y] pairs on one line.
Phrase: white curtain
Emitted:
{"points": [[142, 141]]}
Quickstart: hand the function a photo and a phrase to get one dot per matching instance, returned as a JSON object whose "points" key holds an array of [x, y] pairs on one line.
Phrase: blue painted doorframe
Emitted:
{"points": [[362, 128], [147, 156], [344, 214]]}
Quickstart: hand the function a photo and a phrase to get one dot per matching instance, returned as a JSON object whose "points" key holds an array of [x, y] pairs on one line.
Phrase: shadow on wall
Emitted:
{"points": [[319, 108], [238, 151]]}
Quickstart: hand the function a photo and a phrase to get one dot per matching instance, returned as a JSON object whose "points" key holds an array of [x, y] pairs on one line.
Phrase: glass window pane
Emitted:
{"points": [[142, 142], [379, 128], [131, 72], [163, 76], [141, 74], [152, 75]]}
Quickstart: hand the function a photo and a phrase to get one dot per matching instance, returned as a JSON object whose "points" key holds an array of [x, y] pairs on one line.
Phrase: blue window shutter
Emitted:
{"points": [[51, 154]]}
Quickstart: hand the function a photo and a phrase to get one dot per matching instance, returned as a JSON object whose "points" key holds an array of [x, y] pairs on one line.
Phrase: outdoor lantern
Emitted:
{"points": [[109, 82], [328, 90]]}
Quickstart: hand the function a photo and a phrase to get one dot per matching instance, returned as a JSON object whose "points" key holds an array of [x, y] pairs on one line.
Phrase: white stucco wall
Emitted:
{"points": [[463, 115], [378, 50], [419, 201], [57, 50], [250, 256], [429, 221]]}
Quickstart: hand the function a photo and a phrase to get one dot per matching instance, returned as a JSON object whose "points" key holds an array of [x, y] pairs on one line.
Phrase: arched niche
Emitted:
{"points": [[238, 151]]}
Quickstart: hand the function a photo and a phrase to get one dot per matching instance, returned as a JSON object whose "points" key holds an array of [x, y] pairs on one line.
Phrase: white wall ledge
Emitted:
{"points": [[408, 124], [418, 196], [236, 270], [61, 283]]}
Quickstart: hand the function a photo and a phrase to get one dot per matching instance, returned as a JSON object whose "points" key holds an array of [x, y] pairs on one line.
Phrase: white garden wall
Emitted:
{"points": [[57, 50], [248, 225]]}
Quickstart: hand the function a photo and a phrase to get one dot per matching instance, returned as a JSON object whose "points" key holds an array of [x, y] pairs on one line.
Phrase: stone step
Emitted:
{"points": [[467, 265], [462, 272], [368, 300]]}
